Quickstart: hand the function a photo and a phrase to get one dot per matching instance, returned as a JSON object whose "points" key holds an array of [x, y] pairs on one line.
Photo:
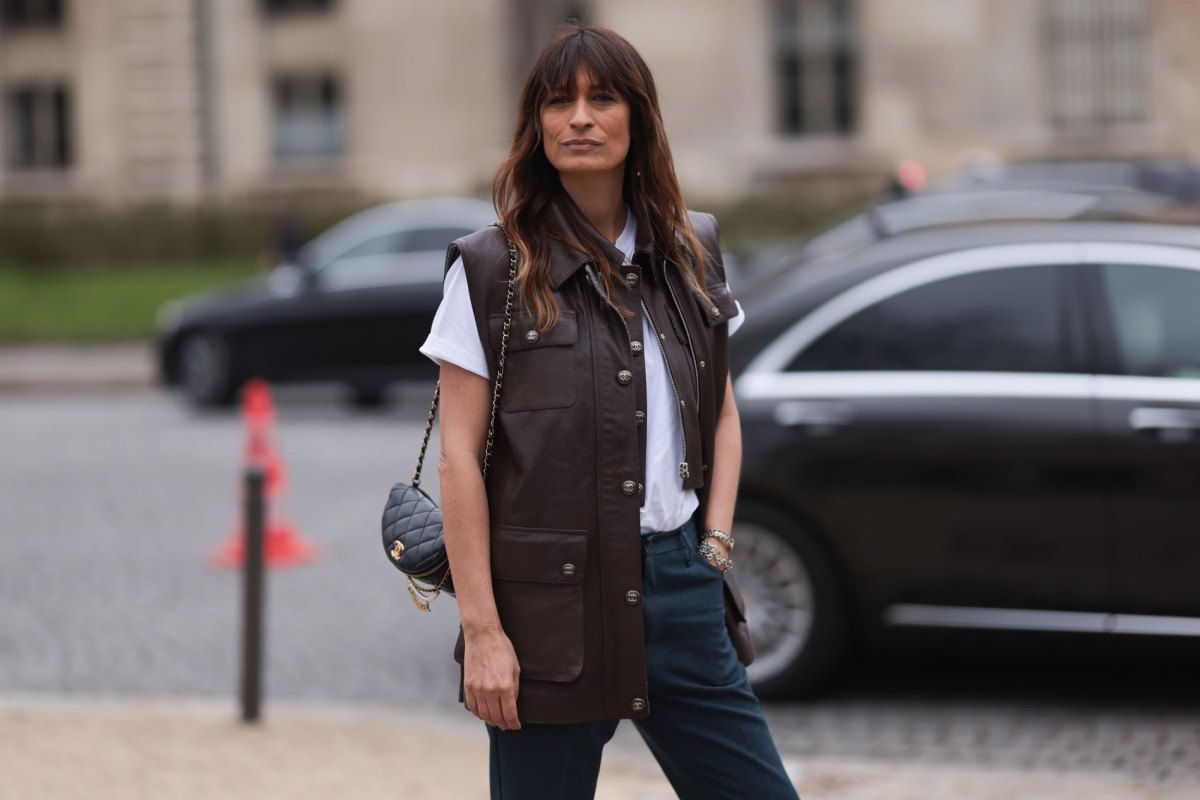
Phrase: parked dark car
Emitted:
{"points": [[977, 428], [353, 309]]}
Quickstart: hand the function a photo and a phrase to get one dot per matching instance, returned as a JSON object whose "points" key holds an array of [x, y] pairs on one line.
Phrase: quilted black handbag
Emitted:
{"points": [[412, 521]]}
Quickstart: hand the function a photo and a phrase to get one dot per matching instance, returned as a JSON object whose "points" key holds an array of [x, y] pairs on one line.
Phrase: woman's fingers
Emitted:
{"points": [[508, 710], [496, 712]]}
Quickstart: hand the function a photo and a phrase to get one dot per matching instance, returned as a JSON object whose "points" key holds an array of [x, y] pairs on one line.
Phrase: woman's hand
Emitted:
{"points": [[491, 679], [721, 548]]}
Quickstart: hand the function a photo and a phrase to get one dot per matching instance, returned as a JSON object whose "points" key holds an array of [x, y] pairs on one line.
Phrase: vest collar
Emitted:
{"points": [[565, 258]]}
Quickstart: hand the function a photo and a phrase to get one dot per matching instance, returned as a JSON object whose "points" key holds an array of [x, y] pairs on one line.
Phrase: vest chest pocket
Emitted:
{"points": [[539, 368], [537, 579]]}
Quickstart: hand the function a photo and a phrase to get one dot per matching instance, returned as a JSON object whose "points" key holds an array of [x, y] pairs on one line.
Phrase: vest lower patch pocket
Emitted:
{"points": [[537, 578], [540, 369]]}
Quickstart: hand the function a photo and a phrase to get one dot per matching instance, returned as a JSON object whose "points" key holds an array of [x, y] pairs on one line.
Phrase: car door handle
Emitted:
{"points": [[1148, 419], [813, 414]]}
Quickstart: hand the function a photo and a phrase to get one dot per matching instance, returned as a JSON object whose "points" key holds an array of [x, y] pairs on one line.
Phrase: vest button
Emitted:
{"points": [[568, 570], [631, 278], [633, 597], [636, 347], [701, 365], [624, 377], [638, 704], [716, 312], [531, 336], [640, 416], [629, 487]]}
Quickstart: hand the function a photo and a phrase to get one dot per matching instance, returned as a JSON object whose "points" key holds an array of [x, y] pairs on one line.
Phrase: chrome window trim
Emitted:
{"points": [[1147, 388], [1025, 619], [776, 356], [799, 385], [1140, 255]]}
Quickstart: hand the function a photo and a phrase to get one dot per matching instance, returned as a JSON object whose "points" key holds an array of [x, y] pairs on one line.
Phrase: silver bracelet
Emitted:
{"points": [[713, 554], [720, 536]]}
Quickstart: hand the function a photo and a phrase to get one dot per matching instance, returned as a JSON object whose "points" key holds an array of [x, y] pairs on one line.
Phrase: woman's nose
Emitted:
{"points": [[581, 115]]}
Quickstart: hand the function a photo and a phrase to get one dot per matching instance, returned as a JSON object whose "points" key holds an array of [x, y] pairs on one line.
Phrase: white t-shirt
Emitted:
{"points": [[453, 337]]}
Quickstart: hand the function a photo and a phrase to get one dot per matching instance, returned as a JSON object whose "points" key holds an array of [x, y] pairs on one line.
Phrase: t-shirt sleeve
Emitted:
{"points": [[736, 321], [453, 336]]}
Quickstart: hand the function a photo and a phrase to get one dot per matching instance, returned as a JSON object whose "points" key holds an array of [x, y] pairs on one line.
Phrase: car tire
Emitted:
{"points": [[368, 395], [796, 604], [204, 371]]}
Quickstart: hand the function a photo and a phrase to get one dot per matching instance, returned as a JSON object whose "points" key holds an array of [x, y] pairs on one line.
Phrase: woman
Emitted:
{"points": [[616, 419]]}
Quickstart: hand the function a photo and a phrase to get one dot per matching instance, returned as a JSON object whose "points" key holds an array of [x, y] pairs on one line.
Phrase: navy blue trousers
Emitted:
{"points": [[705, 726]]}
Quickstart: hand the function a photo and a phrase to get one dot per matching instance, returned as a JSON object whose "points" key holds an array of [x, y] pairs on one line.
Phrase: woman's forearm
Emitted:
{"points": [[465, 525], [466, 406], [726, 466]]}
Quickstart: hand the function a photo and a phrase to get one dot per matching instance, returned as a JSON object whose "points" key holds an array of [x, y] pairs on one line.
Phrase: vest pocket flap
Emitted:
{"points": [[524, 334], [539, 555], [721, 309]]}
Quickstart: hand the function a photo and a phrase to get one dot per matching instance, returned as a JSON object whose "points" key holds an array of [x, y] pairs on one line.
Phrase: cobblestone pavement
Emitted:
{"points": [[189, 751], [113, 502]]}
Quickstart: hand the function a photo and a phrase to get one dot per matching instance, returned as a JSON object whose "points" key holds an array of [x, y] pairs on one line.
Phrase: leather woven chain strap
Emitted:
{"points": [[487, 451]]}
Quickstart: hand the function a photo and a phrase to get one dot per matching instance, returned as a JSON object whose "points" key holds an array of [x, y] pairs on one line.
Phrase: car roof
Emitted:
{"points": [[469, 212], [986, 203], [802, 284]]}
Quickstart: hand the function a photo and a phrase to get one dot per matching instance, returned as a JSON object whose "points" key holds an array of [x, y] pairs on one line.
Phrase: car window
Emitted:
{"points": [[1156, 312], [419, 239], [1005, 320], [384, 244]]}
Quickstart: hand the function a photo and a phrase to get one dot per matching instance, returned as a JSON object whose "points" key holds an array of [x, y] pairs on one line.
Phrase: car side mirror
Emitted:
{"points": [[290, 279]]}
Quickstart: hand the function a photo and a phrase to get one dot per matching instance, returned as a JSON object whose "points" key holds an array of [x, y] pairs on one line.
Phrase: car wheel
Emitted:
{"points": [[204, 371], [795, 605]]}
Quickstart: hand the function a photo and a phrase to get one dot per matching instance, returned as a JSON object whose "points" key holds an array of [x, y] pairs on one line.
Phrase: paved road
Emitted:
{"points": [[111, 503]]}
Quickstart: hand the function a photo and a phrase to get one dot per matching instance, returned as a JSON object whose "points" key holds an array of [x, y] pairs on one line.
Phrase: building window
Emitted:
{"points": [[38, 127], [1097, 52], [31, 13], [309, 117], [276, 7], [815, 66]]}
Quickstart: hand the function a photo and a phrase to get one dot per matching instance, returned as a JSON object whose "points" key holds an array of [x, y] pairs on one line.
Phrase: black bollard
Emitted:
{"points": [[252, 597]]}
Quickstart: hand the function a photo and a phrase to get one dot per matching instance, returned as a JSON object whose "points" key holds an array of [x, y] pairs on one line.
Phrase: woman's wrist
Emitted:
{"points": [[719, 535], [481, 628]]}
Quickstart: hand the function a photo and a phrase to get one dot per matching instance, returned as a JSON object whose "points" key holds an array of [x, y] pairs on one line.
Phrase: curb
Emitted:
{"points": [[77, 367]]}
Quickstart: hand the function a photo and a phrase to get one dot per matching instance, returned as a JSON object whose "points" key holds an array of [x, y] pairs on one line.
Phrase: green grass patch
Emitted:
{"points": [[98, 304]]}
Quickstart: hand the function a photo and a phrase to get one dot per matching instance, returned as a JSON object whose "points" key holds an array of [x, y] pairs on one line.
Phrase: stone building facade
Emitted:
{"points": [[125, 101]]}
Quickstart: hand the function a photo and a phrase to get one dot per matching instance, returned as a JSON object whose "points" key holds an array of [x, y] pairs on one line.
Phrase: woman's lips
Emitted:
{"points": [[580, 145]]}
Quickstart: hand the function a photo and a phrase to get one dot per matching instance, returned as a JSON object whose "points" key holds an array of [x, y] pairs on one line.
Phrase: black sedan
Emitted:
{"points": [[353, 309], [986, 428]]}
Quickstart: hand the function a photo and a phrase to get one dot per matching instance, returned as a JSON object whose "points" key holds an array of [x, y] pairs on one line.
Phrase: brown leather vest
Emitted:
{"points": [[565, 483]]}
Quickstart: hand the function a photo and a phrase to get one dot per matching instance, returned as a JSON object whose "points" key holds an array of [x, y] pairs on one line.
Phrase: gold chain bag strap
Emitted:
{"points": [[412, 521]]}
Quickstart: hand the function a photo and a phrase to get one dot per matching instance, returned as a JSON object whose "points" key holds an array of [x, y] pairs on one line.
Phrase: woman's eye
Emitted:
{"points": [[605, 98], [558, 100]]}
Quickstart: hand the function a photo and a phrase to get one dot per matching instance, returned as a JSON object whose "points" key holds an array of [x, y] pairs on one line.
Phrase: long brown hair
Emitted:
{"points": [[526, 186]]}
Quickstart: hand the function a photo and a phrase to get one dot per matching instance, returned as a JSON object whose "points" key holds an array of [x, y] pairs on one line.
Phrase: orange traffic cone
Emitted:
{"points": [[283, 545]]}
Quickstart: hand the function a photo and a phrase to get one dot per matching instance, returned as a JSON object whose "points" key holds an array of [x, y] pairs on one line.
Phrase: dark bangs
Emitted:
{"points": [[600, 57]]}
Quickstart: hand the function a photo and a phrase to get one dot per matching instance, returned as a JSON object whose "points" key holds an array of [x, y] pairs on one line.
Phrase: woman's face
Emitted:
{"points": [[585, 129]]}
